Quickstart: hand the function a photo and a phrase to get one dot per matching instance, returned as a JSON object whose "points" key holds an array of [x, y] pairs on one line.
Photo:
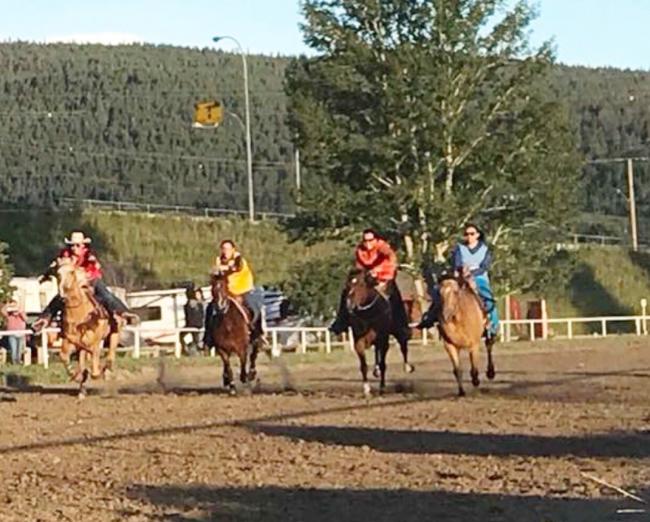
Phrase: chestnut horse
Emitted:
{"points": [[461, 324], [86, 324], [372, 323], [231, 333]]}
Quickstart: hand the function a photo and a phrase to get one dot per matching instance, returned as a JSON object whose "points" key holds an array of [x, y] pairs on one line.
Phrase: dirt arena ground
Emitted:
{"points": [[517, 449]]}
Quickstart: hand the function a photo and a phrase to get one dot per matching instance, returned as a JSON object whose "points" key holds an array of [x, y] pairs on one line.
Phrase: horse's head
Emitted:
{"points": [[449, 295], [360, 288], [72, 280], [220, 295]]}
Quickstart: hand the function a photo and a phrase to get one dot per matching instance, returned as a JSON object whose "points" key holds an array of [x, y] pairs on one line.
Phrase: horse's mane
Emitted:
{"points": [[65, 270]]}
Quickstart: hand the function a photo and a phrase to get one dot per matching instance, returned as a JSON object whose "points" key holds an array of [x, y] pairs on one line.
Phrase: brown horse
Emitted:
{"points": [[371, 320], [462, 323], [86, 324], [231, 333]]}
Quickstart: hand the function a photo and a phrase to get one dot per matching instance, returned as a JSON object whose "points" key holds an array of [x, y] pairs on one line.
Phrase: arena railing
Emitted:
{"points": [[325, 340]]}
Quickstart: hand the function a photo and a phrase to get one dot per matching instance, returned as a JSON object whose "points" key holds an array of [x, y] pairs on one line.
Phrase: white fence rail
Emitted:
{"points": [[319, 337]]}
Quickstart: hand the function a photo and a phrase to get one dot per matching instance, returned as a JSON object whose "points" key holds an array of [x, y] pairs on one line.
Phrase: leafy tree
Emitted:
{"points": [[417, 117], [6, 272]]}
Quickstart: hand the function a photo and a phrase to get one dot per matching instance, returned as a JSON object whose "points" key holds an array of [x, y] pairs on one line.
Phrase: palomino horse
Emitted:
{"points": [[86, 324], [231, 333], [462, 323], [372, 324]]}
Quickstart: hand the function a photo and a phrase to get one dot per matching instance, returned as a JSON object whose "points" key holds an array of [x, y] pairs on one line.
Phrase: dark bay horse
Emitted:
{"points": [[372, 323], [231, 333], [461, 323]]}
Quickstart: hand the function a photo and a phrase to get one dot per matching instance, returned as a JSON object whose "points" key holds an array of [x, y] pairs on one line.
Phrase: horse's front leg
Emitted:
{"points": [[66, 348], [360, 348], [452, 351], [376, 371], [96, 355], [243, 359], [403, 340], [227, 372], [381, 346], [489, 344], [252, 370], [473, 361]]}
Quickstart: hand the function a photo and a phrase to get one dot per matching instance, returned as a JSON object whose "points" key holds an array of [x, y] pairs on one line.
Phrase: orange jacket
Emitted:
{"points": [[381, 260]]}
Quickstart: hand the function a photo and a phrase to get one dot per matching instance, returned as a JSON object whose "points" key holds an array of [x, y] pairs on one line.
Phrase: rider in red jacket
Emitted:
{"points": [[79, 252], [377, 256]]}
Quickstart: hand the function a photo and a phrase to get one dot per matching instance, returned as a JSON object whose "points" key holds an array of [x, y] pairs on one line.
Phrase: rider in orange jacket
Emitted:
{"points": [[378, 257]]}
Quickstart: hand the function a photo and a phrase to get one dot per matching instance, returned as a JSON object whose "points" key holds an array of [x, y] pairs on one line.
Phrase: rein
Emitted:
{"points": [[369, 306], [240, 308]]}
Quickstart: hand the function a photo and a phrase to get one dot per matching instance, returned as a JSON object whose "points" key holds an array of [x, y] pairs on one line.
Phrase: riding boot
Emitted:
{"points": [[398, 309], [209, 324], [55, 306], [430, 317], [254, 301], [341, 322], [112, 303]]}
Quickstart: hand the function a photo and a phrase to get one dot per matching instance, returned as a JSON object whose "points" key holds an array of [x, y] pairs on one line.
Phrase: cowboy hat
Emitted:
{"points": [[77, 238]]}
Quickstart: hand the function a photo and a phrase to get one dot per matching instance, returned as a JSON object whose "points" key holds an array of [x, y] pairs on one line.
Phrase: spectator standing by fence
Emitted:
{"points": [[14, 320], [194, 318]]}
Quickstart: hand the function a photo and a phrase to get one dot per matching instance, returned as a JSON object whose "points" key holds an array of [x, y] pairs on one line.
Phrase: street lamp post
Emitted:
{"points": [[249, 154]]}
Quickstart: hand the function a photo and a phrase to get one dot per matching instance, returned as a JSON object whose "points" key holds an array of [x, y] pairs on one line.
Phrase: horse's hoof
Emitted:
{"points": [[376, 372], [491, 374], [366, 389], [252, 375], [232, 391], [81, 395], [461, 393], [475, 381], [408, 368]]}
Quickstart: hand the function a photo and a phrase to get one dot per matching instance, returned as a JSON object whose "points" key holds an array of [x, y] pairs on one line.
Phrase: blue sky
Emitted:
{"points": [[586, 32]]}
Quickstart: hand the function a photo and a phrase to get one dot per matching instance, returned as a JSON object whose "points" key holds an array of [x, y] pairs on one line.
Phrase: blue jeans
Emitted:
{"points": [[486, 295], [15, 344]]}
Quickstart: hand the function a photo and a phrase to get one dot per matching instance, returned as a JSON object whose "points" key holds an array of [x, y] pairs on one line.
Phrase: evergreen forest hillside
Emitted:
{"points": [[114, 123]]}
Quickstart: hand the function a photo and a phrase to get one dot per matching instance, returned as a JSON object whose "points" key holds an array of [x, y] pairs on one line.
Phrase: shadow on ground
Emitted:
{"points": [[617, 444], [271, 504]]}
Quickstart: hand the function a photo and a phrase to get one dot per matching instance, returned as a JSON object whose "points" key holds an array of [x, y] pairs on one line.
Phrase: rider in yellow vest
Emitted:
{"points": [[239, 277], [238, 273]]}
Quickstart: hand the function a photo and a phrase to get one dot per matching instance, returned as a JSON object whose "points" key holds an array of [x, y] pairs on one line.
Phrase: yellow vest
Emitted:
{"points": [[239, 281]]}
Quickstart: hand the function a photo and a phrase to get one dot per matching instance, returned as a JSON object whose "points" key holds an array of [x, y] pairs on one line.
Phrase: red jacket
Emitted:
{"points": [[381, 260], [88, 261]]}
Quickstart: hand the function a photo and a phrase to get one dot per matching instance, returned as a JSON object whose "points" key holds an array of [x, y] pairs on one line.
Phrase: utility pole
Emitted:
{"points": [[632, 204], [297, 162]]}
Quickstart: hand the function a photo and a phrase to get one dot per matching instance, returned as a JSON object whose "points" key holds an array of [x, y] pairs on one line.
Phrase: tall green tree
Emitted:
{"points": [[419, 116], [6, 272]]}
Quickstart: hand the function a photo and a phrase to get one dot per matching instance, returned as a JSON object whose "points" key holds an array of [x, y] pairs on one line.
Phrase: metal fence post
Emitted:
{"points": [[45, 354], [603, 324], [644, 310], [303, 341], [275, 349], [177, 345], [532, 329], [569, 329], [136, 343], [328, 341]]}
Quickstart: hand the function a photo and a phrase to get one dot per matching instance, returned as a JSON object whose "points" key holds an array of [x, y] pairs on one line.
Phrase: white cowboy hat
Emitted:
{"points": [[77, 238]]}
